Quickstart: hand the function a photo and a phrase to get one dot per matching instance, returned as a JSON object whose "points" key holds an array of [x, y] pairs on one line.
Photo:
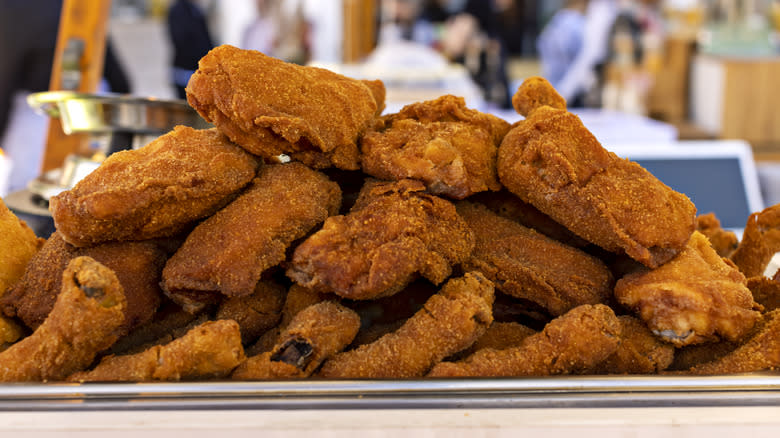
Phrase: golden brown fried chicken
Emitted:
{"points": [[229, 252], [255, 313], [531, 266], [449, 147], [18, 243], [315, 334], [571, 343], [553, 162], [696, 297], [533, 93], [270, 107], [724, 242], [137, 265], [10, 332], [450, 321], [760, 241], [155, 191], [639, 352], [210, 350], [394, 232], [85, 320], [766, 291]]}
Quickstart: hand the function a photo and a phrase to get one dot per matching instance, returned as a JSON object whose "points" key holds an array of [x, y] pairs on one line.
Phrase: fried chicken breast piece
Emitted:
{"points": [[454, 154], [156, 191], [639, 351], [450, 321], [315, 334], [696, 297], [210, 350], [19, 243], [137, 265], [271, 107], [553, 162], [724, 242], [85, 320], [760, 241], [229, 252], [571, 343], [531, 266], [394, 232]]}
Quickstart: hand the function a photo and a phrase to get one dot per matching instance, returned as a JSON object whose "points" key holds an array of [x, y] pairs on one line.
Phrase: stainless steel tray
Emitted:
{"points": [[548, 392]]}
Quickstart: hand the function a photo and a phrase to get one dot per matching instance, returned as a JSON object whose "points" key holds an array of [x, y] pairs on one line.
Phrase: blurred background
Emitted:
{"points": [[636, 71]]}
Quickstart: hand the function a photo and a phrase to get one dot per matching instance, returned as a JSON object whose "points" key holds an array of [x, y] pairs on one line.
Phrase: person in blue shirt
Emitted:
{"points": [[191, 40]]}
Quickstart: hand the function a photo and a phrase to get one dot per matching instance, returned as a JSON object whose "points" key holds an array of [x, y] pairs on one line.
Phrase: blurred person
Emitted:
{"points": [[279, 30], [560, 42], [190, 38]]}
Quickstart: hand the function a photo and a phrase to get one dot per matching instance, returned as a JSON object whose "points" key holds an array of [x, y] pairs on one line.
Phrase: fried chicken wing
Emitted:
{"points": [[760, 241], [18, 243], [553, 162], [696, 297], [156, 191], [394, 232], [137, 265], [454, 154], [85, 320], [724, 242], [255, 313], [210, 350], [571, 343], [270, 107], [531, 266], [639, 351], [766, 291], [229, 252], [315, 334], [450, 321]]}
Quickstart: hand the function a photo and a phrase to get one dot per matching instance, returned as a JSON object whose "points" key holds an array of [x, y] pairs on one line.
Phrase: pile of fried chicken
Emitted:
{"points": [[309, 235]]}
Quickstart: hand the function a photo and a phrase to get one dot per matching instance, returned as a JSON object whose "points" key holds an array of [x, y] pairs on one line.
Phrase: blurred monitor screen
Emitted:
{"points": [[718, 176]]}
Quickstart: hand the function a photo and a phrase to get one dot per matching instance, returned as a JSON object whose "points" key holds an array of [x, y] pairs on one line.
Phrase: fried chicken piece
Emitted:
{"points": [[571, 343], [168, 323], [394, 232], [85, 320], [690, 356], [137, 265], [10, 332], [454, 154], [696, 297], [229, 252], [255, 313], [156, 191], [210, 350], [18, 243], [507, 205], [766, 291], [498, 336], [531, 266], [552, 161], [760, 241], [760, 352], [271, 107], [533, 93], [724, 242], [639, 351], [450, 321], [315, 334]]}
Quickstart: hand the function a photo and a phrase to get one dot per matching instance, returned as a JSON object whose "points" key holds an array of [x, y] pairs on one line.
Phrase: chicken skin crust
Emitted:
{"points": [[393, 233], [270, 107], [19, 244], [228, 252], [553, 162], [696, 297], [155, 191]]}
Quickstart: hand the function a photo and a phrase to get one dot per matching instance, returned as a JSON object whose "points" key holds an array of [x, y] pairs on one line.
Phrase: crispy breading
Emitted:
{"points": [[766, 291], [255, 313], [315, 334], [724, 242], [760, 241], [569, 344], [450, 321], [210, 350], [394, 232], [696, 297], [19, 243], [85, 320], [155, 191], [533, 93], [553, 162], [270, 107], [531, 266], [639, 352], [137, 265], [229, 252]]}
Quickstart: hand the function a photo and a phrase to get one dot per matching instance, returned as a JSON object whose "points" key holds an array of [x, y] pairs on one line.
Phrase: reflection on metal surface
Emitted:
{"points": [[548, 392]]}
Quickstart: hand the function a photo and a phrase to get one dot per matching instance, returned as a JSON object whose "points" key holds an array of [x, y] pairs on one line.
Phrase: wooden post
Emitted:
{"points": [[359, 28], [78, 66]]}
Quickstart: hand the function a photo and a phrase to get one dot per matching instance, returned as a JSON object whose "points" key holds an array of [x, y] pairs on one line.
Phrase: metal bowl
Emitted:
{"points": [[110, 113]]}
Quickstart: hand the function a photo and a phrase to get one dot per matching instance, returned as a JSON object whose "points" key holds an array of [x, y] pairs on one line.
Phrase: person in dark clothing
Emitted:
{"points": [[28, 40], [191, 40]]}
